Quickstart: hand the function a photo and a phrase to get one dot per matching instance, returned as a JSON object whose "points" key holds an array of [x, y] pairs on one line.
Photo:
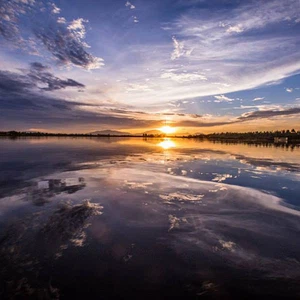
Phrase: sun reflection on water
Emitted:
{"points": [[167, 144]]}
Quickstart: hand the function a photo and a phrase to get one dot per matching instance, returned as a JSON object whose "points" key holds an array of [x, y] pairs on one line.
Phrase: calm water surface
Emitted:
{"points": [[152, 219]]}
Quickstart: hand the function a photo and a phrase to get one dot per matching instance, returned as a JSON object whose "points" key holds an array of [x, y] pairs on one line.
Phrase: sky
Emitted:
{"points": [[196, 65]]}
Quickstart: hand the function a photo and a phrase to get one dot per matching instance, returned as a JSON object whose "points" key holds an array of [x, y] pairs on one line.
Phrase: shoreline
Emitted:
{"points": [[232, 140]]}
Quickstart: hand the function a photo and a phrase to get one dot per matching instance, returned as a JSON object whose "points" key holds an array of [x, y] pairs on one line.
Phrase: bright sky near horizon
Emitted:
{"points": [[198, 65]]}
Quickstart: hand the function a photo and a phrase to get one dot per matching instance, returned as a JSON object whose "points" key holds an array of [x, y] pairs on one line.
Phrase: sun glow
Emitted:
{"points": [[167, 144], [167, 129]]}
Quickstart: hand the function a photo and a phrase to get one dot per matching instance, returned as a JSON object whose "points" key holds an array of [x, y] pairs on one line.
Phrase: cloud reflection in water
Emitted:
{"points": [[159, 224]]}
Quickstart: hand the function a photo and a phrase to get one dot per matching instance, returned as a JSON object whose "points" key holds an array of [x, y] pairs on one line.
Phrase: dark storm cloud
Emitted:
{"points": [[22, 104], [38, 74], [65, 41], [13, 82], [38, 67], [268, 114], [17, 92], [192, 123], [66, 46], [32, 77], [250, 116], [181, 115]]}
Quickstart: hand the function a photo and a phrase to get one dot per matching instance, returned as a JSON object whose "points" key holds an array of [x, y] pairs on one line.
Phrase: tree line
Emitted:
{"points": [[264, 136], [292, 135]]}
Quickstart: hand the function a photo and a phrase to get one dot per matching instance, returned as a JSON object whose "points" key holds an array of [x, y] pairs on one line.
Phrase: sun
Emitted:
{"points": [[167, 129]]}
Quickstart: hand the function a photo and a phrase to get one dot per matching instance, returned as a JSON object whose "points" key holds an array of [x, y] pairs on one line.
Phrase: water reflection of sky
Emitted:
{"points": [[142, 215]]}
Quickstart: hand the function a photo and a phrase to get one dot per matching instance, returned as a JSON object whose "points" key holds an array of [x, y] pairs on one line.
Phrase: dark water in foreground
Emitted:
{"points": [[151, 219]]}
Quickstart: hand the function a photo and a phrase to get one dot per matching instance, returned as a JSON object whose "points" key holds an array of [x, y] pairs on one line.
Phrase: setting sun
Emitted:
{"points": [[167, 129]]}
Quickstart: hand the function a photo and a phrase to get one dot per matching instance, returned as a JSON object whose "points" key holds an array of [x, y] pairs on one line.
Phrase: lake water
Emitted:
{"points": [[120, 218]]}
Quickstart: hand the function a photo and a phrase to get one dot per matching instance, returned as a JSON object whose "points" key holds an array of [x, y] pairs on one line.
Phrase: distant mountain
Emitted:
{"points": [[158, 132], [110, 132], [182, 133], [153, 132]]}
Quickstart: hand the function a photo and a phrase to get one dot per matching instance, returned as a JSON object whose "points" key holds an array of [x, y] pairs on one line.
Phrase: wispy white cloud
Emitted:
{"points": [[258, 99], [130, 5], [261, 107], [203, 44], [179, 49], [183, 77], [223, 98], [78, 27], [236, 28], [61, 20], [138, 88], [55, 9], [289, 90]]}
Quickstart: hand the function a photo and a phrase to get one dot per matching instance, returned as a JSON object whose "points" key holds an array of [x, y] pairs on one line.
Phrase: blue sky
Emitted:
{"points": [[202, 66]]}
